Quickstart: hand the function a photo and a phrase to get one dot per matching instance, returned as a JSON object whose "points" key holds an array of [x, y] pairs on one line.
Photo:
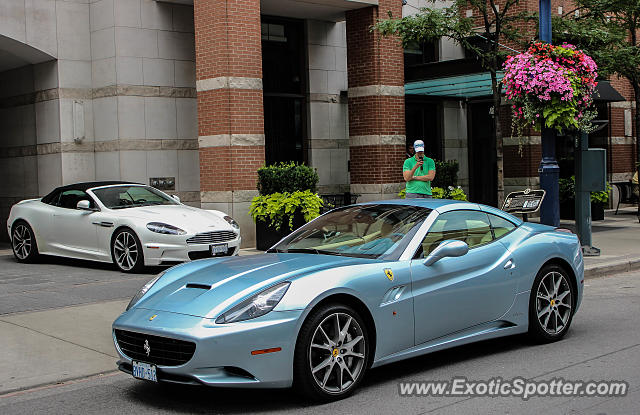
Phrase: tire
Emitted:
{"points": [[23, 242], [551, 305], [126, 251], [340, 360]]}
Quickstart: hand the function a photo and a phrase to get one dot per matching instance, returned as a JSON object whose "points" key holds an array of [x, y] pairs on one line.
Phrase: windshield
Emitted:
{"points": [[121, 197], [367, 231]]}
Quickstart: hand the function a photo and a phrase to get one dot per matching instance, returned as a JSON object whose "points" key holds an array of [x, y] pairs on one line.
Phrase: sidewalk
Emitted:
{"points": [[618, 238]]}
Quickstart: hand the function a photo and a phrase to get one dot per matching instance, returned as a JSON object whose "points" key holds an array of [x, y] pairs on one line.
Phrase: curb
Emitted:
{"points": [[614, 267]]}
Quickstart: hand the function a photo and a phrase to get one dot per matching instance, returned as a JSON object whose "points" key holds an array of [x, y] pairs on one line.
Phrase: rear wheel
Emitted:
{"points": [[551, 305], [331, 353], [126, 251], [23, 242]]}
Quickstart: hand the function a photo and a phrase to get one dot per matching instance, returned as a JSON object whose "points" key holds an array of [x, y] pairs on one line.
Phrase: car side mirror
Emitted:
{"points": [[449, 248], [84, 205], [176, 198]]}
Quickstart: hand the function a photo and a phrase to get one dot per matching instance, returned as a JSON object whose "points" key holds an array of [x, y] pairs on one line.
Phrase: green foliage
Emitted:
{"points": [[450, 192], [500, 22], [567, 192], [286, 177], [280, 208], [456, 193], [446, 173], [605, 29]]}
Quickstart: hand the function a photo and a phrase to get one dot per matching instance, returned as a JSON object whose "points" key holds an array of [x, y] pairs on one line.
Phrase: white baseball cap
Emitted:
{"points": [[418, 145]]}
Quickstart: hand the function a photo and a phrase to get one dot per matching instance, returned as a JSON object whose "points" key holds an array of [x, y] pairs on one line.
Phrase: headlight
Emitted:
{"points": [[159, 227], [232, 222], [256, 306], [144, 290]]}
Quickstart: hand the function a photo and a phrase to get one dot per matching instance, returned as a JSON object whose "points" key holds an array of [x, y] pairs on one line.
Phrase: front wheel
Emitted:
{"points": [[331, 354], [126, 251], [23, 242], [551, 305]]}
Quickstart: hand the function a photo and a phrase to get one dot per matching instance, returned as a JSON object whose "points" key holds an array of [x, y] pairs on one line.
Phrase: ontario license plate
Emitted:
{"points": [[218, 249], [145, 371]]}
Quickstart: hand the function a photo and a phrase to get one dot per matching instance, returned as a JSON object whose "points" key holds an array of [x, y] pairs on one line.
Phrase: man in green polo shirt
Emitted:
{"points": [[418, 172]]}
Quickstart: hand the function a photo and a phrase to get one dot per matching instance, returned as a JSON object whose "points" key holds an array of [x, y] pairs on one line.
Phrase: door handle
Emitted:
{"points": [[103, 224], [510, 264]]}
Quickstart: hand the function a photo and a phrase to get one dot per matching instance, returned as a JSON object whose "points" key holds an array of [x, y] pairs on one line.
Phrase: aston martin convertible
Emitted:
{"points": [[358, 287], [129, 224]]}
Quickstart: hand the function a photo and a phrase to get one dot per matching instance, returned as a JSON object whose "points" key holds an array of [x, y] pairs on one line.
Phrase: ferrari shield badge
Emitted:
{"points": [[388, 273]]}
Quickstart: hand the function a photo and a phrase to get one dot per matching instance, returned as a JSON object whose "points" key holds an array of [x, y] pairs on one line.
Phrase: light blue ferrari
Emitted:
{"points": [[358, 287]]}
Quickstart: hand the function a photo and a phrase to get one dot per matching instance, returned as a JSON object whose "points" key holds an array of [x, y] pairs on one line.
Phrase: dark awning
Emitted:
{"points": [[606, 93]]}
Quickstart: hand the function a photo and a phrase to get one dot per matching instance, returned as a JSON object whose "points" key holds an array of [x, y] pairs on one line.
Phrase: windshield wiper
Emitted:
{"points": [[311, 251]]}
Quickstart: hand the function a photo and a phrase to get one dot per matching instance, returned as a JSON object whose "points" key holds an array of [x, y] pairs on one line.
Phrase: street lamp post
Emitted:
{"points": [[548, 170]]}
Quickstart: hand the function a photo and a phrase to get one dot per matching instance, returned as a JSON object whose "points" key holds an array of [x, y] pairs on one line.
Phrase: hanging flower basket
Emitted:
{"points": [[551, 83]]}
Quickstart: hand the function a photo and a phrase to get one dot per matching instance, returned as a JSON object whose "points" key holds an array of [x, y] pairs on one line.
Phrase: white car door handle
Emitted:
{"points": [[510, 264]]}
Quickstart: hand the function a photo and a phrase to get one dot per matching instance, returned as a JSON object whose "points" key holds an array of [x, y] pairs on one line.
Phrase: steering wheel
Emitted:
{"points": [[140, 200]]}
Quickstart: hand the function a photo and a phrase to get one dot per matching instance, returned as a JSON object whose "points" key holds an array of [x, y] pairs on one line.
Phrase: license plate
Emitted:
{"points": [[145, 371], [218, 249]]}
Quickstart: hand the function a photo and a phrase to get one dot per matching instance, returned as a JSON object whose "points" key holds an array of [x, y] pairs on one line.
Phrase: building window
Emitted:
{"points": [[420, 53]]}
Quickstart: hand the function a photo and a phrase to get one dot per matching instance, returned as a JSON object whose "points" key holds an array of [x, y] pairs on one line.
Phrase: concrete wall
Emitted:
{"points": [[144, 105], [328, 132]]}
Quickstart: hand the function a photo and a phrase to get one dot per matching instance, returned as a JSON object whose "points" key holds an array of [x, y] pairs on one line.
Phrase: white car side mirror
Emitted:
{"points": [[448, 248], [84, 205], [176, 198]]}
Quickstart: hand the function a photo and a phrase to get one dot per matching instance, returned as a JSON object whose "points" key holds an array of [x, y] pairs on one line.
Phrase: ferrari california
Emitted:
{"points": [[131, 225], [358, 287]]}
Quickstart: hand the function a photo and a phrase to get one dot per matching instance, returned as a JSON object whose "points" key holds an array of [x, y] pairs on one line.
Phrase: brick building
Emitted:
{"points": [[201, 93]]}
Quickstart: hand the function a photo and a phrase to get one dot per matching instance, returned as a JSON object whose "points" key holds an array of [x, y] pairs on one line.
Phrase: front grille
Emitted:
{"points": [[212, 237], [163, 351]]}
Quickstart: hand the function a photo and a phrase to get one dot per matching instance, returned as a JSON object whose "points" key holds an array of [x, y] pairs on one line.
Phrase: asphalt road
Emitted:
{"points": [[59, 282], [603, 343]]}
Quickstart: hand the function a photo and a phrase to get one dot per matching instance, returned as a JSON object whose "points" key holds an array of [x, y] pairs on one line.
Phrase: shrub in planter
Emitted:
{"points": [[446, 173], [287, 201], [567, 191], [450, 192], [277, 214], [286, 177]]}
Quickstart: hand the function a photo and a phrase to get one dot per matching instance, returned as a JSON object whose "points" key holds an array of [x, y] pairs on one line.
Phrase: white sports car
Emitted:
{"points": [[131, 225]]}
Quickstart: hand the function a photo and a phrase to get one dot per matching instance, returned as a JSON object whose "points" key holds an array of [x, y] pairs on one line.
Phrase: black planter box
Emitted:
{"points": [[568, 210], [267, 236]]}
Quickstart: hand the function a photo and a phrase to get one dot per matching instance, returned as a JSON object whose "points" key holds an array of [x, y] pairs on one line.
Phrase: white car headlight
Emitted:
{"points": [[256, 306], [159, 227], [144, 290], [232, 222]]}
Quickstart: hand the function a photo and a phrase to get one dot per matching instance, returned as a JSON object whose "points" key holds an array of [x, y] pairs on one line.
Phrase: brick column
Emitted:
{"points": [[230, 106], [377, 138]]}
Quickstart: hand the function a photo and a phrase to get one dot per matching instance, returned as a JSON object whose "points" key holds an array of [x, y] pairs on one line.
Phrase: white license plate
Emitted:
{"points": [[218, 249], [145, 371]]}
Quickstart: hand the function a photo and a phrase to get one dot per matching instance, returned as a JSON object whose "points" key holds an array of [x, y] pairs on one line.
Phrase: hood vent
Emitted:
{"points": [[199, 286]]}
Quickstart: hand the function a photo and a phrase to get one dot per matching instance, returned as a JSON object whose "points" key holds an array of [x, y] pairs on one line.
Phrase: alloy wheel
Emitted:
{"points": [[22, 241], [553, 302], [337, 353], [125, 250]]}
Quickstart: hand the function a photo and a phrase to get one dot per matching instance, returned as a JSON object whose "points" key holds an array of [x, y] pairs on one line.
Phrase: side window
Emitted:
{"points": [[52, 198], [472, 227], [500, 226], [70, 198]]}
